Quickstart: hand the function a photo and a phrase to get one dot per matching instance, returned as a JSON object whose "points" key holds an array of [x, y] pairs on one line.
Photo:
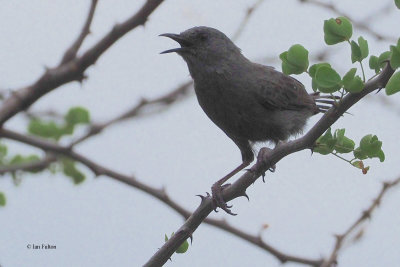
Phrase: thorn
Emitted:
{"points": [[263, 177], [191, 239], [245, 195]]}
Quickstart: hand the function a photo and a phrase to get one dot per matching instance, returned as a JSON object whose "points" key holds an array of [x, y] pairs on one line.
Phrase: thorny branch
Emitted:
{"points": [[365, 215], [73, 69], [264, 163], [160, 194], [358, 24]]}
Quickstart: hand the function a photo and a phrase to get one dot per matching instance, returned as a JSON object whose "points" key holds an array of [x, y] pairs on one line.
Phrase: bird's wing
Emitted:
{"points": [[278, 91]]}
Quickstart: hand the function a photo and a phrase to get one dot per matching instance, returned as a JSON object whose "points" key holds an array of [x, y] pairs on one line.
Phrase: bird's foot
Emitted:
{"points": [[217, 199], [263, 159]]}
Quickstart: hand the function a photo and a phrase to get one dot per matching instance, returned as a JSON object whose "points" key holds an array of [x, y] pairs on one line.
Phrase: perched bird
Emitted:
{"points": [[250, 102]]}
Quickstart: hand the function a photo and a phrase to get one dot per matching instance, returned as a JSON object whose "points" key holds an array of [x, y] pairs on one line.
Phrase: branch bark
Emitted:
{"points": [[264, 163], [72, 70]]}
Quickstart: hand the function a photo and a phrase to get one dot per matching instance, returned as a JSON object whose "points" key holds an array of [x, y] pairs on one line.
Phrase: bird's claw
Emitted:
{"points": [[218, 201]]}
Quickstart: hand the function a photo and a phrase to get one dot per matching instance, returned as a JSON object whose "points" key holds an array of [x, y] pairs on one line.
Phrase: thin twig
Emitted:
{"points": [[71, 52], [160, 194], [358, 24], [74, 69], [263, 164], [243, 23], [365, 215], [30, 166]]}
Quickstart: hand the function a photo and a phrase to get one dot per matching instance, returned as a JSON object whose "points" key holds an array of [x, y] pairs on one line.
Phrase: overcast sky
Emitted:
{"points": [[105, 223]]}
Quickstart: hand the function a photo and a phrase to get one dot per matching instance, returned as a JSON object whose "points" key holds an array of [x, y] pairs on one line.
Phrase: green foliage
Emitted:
{"points": [[338, 143], [352, 83], [20, 159], [182, 248], [374, 64], [70, 170], [395, 55], [3, 199], [327, 80], [337, 30], [295, 60], [370, 147], [77, 115], [393, 85], [359, 51], [3, 152], [397, 3], [53, 130]]}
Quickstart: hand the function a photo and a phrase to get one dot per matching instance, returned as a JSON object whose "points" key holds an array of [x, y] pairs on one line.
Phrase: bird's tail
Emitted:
{"points": [[324, 102]]}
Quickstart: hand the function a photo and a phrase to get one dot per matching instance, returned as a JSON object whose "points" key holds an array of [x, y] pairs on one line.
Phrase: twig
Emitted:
{"points": [[243, 23], [163, 101], [239, 187], [332, 259], [31, 166], [358, 24], [74, 69], [71, 52], [160, 194]]}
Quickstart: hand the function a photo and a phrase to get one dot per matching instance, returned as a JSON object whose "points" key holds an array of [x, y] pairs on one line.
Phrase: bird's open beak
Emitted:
{"points": [[185, 44]]}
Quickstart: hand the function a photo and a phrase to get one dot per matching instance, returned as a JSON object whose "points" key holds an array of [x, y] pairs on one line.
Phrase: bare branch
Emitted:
{"points": [[74, 69], [358, 24], [138, 110], [30, 166], [71, 52], [160, 194], [365, 215], [243, 23], [264, 163]]}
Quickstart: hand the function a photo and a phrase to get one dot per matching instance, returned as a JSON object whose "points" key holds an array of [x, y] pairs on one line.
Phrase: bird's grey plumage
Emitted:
{"points": [[248, 101]]}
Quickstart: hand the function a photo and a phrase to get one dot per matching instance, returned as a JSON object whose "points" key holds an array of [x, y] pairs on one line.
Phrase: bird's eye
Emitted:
{"points": [[203, 36]]}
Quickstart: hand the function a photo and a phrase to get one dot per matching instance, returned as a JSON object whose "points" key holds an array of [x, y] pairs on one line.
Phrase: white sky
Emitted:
{"points": [[106, 223]]}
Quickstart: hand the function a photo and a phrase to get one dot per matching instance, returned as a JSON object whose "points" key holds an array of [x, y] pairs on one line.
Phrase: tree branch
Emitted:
{"points": [[239, 187], [30, 166], [160, 194], [74, 69], [358, 24], [365, 215], [71, 52]]}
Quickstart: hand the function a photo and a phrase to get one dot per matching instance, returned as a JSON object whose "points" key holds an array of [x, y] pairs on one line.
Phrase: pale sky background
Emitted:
{"points": [[105, 223]]}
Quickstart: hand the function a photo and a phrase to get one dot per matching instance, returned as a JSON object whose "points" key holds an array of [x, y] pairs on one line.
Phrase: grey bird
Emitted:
{"points": [[250, 102]]}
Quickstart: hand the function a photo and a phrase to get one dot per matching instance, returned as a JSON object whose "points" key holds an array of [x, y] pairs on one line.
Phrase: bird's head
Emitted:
{"points": [[204, 45]]}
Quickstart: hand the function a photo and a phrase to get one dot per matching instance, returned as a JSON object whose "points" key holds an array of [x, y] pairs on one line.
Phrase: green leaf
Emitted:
{"points": [[70, 170], [351, 83], [77, 115], [393, 85], [298, 56], [355, 52], [44, 129], [397, 3], [183, 247], [343, 143], [363, 44], [395, 58], [166, 238], [372, 147], [385, 56], [325, 144], [337, 30], [3, 199], [327, 79], [359, 154], [374, 64], [313, 69]]}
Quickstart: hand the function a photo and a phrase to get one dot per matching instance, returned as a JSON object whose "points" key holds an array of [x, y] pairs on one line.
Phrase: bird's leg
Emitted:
{"points": [[217, 188]]}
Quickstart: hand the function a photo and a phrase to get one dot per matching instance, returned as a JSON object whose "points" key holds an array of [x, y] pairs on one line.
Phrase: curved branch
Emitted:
{"points": [[160, 194], [73, 50], [264, 163], [366, 214], [74, 69]]}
